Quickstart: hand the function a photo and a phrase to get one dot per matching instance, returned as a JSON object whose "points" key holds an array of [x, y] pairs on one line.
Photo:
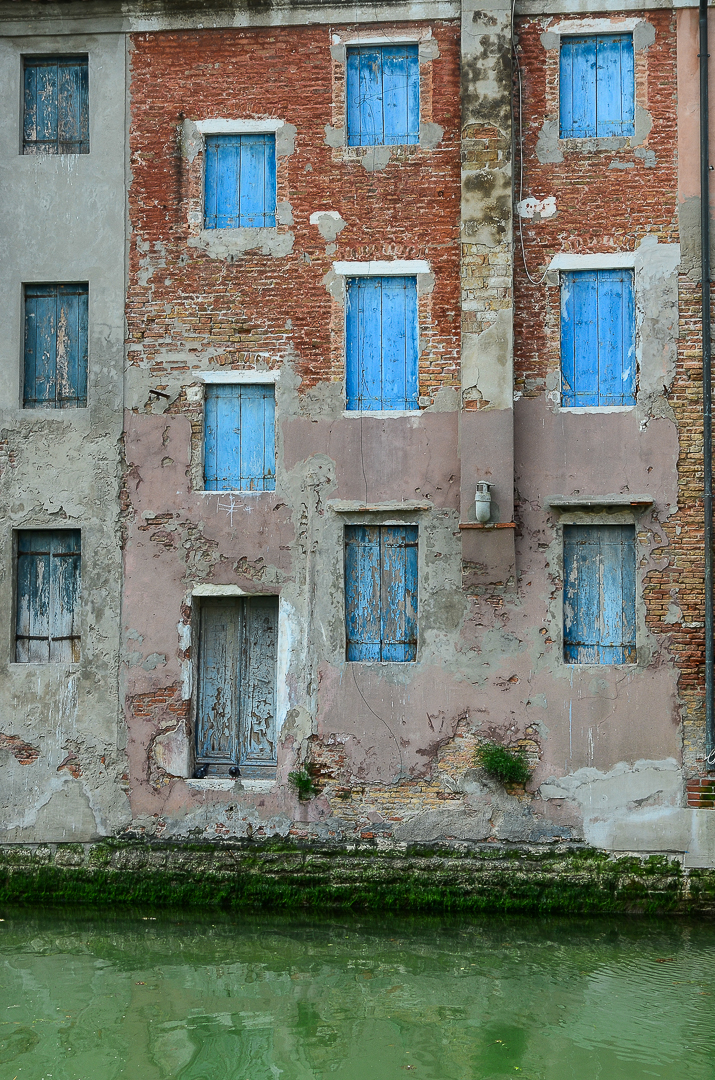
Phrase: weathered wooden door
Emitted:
{"points": [[236, 720]]}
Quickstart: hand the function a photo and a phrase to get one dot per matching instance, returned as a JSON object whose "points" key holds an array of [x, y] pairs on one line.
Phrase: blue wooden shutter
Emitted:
{"points": [[381, 343], [381, 592], [236, 708], [56, 346], [239, 438], [599, 594], [56, 105], [48, 596], [383, 95], [240, 181], [596, 86], [598, 359]]}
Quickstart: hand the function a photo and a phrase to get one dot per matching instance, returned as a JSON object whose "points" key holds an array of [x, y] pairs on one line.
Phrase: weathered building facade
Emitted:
{"points": [[339, 264]]}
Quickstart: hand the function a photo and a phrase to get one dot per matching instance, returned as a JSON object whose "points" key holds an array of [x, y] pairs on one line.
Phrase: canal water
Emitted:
{"points": [[251, 997]]}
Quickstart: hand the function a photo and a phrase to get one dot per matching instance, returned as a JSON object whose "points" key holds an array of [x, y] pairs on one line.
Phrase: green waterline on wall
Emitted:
{"points": [[289, 876]]}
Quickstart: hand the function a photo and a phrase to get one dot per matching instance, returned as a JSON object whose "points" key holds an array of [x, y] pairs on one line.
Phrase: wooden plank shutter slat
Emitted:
{"points": [[47, 108], [584, 289], [398, 593], [251, 435], [362, 592], [566, 121], [353, 394], [614, 85], [399, 343], [211, 442], [257, 728], [228, 174], [394, 95], [615, 338], [372, 130], [68, 109], [353, 97], [65, 571], [583, 67], [219, 682], [29, 127], [252, 182], [46, 349], [369, 336]]}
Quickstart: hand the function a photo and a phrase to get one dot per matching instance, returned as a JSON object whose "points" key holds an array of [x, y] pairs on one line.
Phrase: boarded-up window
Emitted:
{"points": [[56, 105], [236, 721], [48, 596], [381, 592], [239, 438], [598, 351], [599, 594], [56, 336], [597, 88], [381, 350], [383, 95], [240, 182]]}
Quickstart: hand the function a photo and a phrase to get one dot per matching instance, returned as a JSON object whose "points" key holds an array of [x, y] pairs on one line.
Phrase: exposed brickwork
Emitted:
{"points": [[608, 201], [257, 307], [601, 206], [22, 751], [701, 793]]}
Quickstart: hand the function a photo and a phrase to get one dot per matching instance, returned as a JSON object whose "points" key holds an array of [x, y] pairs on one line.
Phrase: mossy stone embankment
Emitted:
{"points": [[361, 877]]}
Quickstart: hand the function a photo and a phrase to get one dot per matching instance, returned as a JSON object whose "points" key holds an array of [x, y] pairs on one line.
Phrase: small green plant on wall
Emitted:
{"points": [[302, 783], [505, 763]]}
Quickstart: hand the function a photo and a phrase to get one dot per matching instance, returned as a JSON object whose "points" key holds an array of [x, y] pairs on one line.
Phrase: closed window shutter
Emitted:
{"points": [[48, 596], [381, 343], [239, 438], [597, 86], [240, 181], [56, 105], [381, 592], [599, 594], [56, 346], [383, 102], [598, 361]]}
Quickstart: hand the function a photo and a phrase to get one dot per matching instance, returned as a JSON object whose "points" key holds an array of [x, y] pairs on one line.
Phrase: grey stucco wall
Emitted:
{"points": [[63, 220]]}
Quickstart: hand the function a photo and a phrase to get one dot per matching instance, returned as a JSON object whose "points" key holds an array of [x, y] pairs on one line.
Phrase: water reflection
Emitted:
{"points": [[297, 998]]}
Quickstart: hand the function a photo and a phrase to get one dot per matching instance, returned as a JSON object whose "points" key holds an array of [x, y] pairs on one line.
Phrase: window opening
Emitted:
{"points": [[383, 95], [381, 343], [599, 594], [56, 105], [48, 596], [381, 592]]}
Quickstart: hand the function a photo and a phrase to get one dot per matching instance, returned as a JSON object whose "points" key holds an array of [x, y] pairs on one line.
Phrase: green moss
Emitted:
{"points": [[289, 875], [302, 782], [505, 763]]}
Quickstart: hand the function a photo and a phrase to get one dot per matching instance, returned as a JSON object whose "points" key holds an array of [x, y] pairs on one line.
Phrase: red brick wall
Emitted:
{"points": [[279, 307], [599, 208], [612, 209]]}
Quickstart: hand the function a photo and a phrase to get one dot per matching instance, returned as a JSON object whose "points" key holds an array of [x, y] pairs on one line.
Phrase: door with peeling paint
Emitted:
{"points": [[236, 715]]}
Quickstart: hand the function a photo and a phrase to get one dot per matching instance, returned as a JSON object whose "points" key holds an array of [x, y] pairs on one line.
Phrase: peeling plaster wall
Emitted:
{"points": [[390, 746], [63, 220]]}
